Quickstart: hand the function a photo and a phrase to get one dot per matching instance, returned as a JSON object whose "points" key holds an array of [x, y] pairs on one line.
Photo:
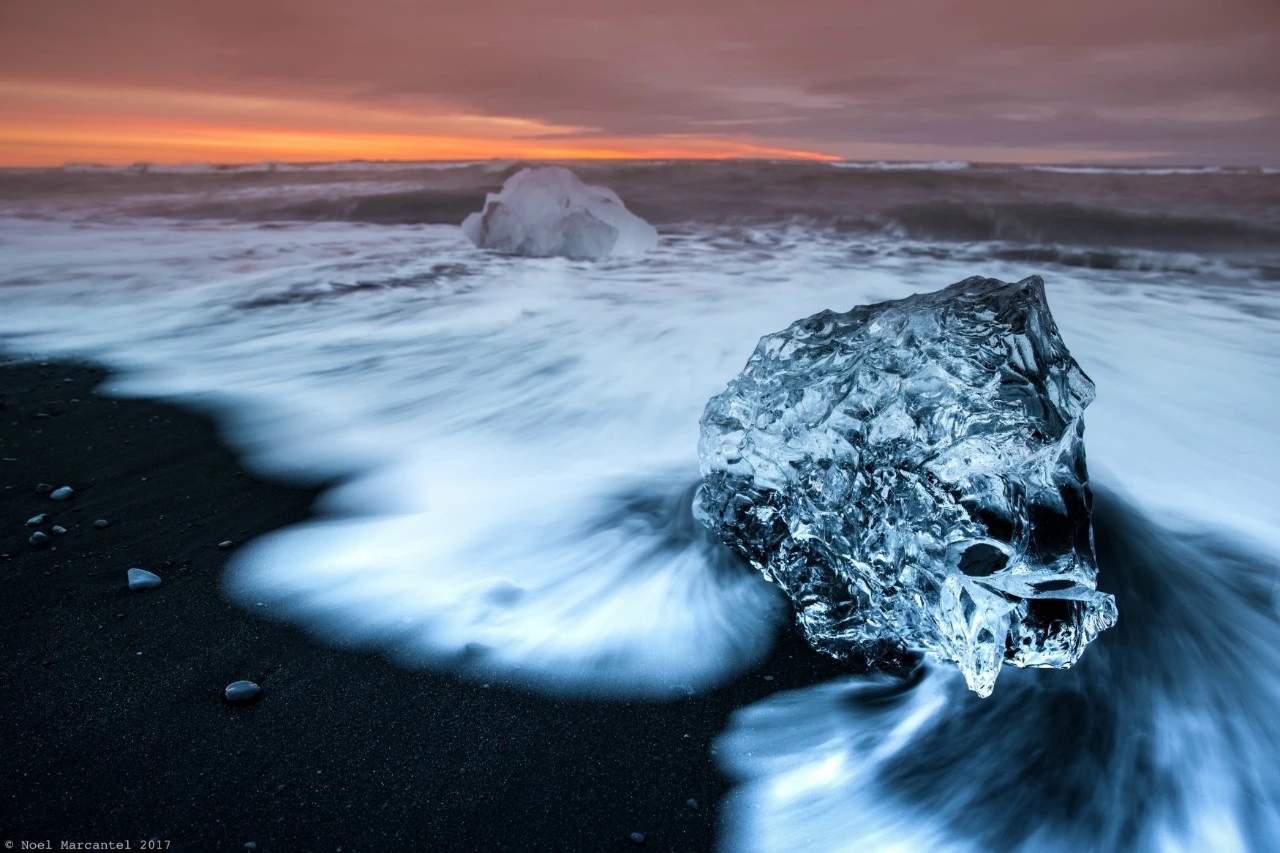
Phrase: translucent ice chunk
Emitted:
{"points": [[913, 475], [547, 211]]}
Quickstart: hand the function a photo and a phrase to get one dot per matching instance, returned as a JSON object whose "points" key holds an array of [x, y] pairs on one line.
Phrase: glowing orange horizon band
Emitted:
{"points": [[51, 123], [36, 145]]}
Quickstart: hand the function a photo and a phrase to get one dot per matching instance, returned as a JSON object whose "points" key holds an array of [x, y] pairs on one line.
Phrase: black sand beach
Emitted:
{"points": [[114, 727]]}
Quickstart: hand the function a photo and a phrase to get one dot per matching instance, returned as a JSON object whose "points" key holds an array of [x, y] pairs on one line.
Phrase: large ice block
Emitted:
{"points": [[912, 474]]}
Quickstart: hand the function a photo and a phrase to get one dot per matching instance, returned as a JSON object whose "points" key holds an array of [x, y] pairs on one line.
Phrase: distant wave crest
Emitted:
{"points": [[903, 166]]}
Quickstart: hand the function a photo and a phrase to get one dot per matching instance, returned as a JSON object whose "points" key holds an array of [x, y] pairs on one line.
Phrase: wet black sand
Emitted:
{"points": [[113, 727]]}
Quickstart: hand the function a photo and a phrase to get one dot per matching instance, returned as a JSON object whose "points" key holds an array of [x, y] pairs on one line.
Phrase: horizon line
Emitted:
{"points": [[807, 157]]}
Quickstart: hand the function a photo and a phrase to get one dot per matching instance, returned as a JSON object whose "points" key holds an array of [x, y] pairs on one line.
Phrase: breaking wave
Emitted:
{"points": [[900, 166], [1207, 210], [1165, 737], [564, 583], [1075, 225], [1155, 171], [514, 443]]}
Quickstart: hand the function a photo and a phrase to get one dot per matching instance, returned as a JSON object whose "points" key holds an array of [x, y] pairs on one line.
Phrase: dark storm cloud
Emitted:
{"points": [[1196, 80]]}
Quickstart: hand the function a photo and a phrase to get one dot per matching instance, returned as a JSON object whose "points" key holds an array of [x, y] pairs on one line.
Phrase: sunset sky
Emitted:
{"points": [[117, 81]]}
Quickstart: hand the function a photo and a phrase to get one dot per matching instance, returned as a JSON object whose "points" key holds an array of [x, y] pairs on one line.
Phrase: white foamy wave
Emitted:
{"points": [[566, 582], [902, 166], [516, 444], [508, 511], [1165, 737], [1137, 170], [1237, 274], [516, 434]]}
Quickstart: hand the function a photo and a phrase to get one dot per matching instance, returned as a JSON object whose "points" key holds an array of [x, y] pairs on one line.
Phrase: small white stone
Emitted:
{"points": [[57, 530], [225, 545], [62, 494], [38, 538], [143, 579], [102, 522], [37, 520]]}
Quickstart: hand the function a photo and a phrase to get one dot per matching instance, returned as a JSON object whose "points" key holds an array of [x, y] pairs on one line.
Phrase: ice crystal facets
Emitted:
{"points": [[912, 474]]}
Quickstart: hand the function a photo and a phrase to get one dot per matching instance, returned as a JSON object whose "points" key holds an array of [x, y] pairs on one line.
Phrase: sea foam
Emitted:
{"points": [[509, 446], [488, 414]]}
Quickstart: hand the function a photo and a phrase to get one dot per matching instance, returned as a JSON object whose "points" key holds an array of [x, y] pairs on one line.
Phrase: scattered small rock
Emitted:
{"points": [[143, 579], [37, 520], [38, 538], [62, 494], [242, 691], [102, 522], [637, 838], [43, 489], [57, 530], [768, 678], [250, 845], [226, 545], [691, 803]]}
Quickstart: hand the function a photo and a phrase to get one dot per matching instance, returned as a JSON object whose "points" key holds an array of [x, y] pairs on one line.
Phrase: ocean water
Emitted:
{"points": [[511, 445]]}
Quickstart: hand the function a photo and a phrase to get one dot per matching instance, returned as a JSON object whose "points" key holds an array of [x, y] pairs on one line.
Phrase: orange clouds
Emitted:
{"points": [[1174, 81], [48, 123]]}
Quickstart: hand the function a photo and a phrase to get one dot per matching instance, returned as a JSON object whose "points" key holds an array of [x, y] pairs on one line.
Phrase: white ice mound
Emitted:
{"points": [[548, 211]]}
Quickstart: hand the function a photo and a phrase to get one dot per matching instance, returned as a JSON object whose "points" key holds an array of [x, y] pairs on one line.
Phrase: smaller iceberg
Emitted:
{"points": [[548, 211]]}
